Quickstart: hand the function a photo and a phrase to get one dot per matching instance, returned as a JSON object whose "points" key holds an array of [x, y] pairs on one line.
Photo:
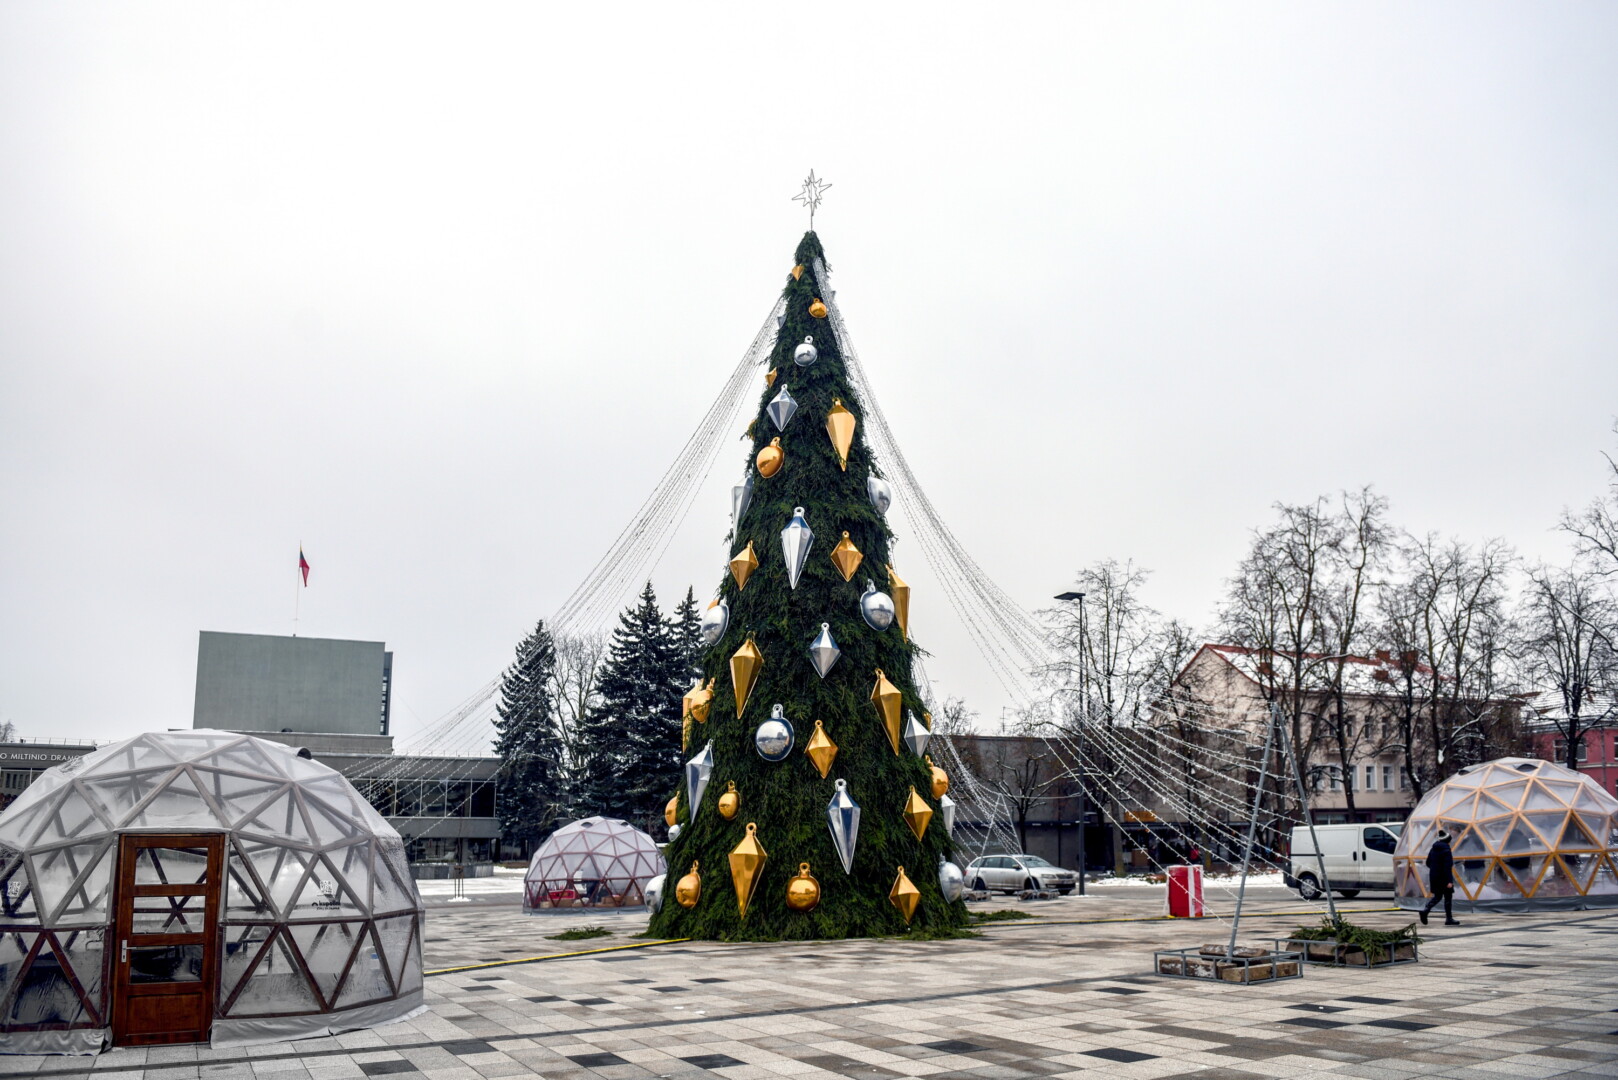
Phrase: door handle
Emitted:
{"points": [[123, 952]]}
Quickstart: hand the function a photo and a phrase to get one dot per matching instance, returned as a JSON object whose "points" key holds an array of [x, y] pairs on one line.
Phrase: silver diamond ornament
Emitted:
{"points": [[876, 608], [714, 622], [806, 354], [796, 539], [823, 651], [740, 497], [774, 738], [653, 893], [878, 491], [950, 881], [916, 735], [946, 808], [697, 772], [782, 408], [843, 815]]}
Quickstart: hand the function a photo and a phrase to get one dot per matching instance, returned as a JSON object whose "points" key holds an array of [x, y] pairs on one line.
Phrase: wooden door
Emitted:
{"points": [[165, 967]]}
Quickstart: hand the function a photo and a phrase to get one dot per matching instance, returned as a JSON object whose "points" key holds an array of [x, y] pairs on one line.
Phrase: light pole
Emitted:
{"points": [[1084, 717]]}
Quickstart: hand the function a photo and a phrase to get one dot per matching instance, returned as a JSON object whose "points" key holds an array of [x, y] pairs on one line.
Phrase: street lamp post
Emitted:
{"points": [[1084, 716]]}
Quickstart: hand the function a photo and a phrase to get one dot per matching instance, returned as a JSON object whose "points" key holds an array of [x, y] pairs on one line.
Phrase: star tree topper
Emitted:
{"points": [[810, 196]]}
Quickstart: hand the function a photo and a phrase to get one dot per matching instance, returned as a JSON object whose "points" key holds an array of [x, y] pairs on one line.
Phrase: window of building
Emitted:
{"points": [[1387, 778], [1404, 779], [1583, 750], [1334, 778], [1370, 778]]}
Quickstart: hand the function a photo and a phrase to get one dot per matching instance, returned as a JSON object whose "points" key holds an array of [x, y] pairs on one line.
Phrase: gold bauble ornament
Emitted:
{"points": [[901, 603], [771, 458], [747, 867], [697, 702], [689, 890], [817, 309], [803, 891], [917, 813], [887, 699], [821, 750], [743, 565], [730, 801], [905, 896], [769, 378], [745, 665], [840, 426], [846, 557], [940, 777], [797, 272], [671, 812]]}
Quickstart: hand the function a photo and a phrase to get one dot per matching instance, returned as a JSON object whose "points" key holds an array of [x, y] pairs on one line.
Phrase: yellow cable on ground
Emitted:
{"points": [[1037, 921], [553, 956]]}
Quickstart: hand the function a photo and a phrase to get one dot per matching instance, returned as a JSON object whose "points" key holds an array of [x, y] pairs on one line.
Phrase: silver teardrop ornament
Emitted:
{"points": [[876, 607], [843, 815], [806, 354], [774, 737], [916, 735], [697, 772], [782, 407], [878, 491], [946, 808], [823, 652], [740, 496], [796, 539], [714, 622]]}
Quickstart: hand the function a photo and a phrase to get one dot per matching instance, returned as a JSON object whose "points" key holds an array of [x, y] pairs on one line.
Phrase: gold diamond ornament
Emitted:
{"points": [[840, 427], [905, 896], [821, 751], [846, 557], [744, 668], [901, 602], [917, 813], [886, 697], [743, 565], [747, 867]]}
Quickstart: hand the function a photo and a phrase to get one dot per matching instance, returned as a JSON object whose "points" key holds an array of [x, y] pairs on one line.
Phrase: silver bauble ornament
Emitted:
{"points": [[916, 736], [781, 409], [823, 652], [697, 772], [878, 491], [876, 607], [806, 354], [946, 810], [674, 833], [714, 622], [843, 815], [653, 893], [796, 539], [740, 496], [774, 737], [950, 881]]}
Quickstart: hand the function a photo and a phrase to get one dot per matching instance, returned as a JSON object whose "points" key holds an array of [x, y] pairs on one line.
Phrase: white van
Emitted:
{"points": [[1355, 857]]}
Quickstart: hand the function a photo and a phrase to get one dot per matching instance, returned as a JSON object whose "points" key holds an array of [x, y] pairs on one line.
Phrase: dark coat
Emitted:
{"points": [[1440, 867]]}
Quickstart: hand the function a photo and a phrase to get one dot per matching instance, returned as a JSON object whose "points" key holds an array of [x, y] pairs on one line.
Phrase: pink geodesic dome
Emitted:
{"points": [[593, 862]]}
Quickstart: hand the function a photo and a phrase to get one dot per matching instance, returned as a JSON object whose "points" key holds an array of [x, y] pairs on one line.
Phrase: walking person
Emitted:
{"points": [[1441, 879]]}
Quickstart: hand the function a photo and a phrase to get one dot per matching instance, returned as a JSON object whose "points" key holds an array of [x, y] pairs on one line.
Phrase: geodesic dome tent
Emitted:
{"points": [[1526, 834], [200, 886], [593, 862]]}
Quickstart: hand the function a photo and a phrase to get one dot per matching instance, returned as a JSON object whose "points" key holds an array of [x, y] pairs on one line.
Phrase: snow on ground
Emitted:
{"points": [[1209, 881], [504, 882]]}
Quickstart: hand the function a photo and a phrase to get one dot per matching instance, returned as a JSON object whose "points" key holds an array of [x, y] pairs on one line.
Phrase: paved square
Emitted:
{"points": [[1068, 993]]}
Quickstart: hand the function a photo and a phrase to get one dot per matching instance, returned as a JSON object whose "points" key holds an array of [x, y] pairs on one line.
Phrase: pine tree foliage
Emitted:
{"points": [[630, 741], [787, 800], [532, 781], [686, 627]]}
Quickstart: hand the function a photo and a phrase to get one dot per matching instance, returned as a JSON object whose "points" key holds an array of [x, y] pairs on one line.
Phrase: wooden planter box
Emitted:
{"points": [[1245, 966], [1331, 952]]}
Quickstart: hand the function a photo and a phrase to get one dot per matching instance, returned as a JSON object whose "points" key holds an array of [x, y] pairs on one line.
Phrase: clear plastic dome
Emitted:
{"points": [[1525, 834], [317, 919], [594, 862]]}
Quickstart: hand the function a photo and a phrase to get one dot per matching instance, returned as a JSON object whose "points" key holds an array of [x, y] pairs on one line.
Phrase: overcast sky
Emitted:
{"points": [[439, 292]]}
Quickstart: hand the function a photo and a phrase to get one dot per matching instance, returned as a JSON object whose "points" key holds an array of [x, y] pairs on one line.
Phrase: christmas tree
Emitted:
{"points": [[788, 607]]}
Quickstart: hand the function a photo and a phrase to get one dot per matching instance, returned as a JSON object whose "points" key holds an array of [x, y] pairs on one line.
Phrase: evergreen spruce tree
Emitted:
{"points": [[687, 629], [631, 739], [532, 784], [787, 800]]}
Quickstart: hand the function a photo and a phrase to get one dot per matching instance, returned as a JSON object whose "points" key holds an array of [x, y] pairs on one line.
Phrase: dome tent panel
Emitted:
{"points": [[302, 866], [610, 859]]}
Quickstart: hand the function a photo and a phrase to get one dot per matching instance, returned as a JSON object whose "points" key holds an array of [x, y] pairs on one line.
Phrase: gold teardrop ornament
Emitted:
{"points": [[940, 778], [905, 896], [846, 557], [671, 812], [770, 459], [747, 867], [821, 751], [817, 309], [769, 378], [697, 702], [840, 425], [917, 813], [745, 665], [689, 890], [901, 602], [887, 699], [743, 565], [730, 801], [803, 891], [797, 272]]}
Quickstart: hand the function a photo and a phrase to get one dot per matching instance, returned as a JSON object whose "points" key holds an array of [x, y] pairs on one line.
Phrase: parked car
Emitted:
{"points": [[1351, 857], [1017, 873]]}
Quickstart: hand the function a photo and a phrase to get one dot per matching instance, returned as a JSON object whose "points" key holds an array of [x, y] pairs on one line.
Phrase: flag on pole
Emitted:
{"points": [[303, 564]]}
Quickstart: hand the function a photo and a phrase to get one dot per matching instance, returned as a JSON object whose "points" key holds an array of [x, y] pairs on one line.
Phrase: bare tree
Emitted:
{"points": [[954, 718], [1595, 528], [1021, 769], [573, 693], [1566, 648]]}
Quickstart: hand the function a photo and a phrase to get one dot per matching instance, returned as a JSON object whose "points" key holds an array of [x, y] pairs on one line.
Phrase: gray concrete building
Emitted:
{"points": [[260, 682]]}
